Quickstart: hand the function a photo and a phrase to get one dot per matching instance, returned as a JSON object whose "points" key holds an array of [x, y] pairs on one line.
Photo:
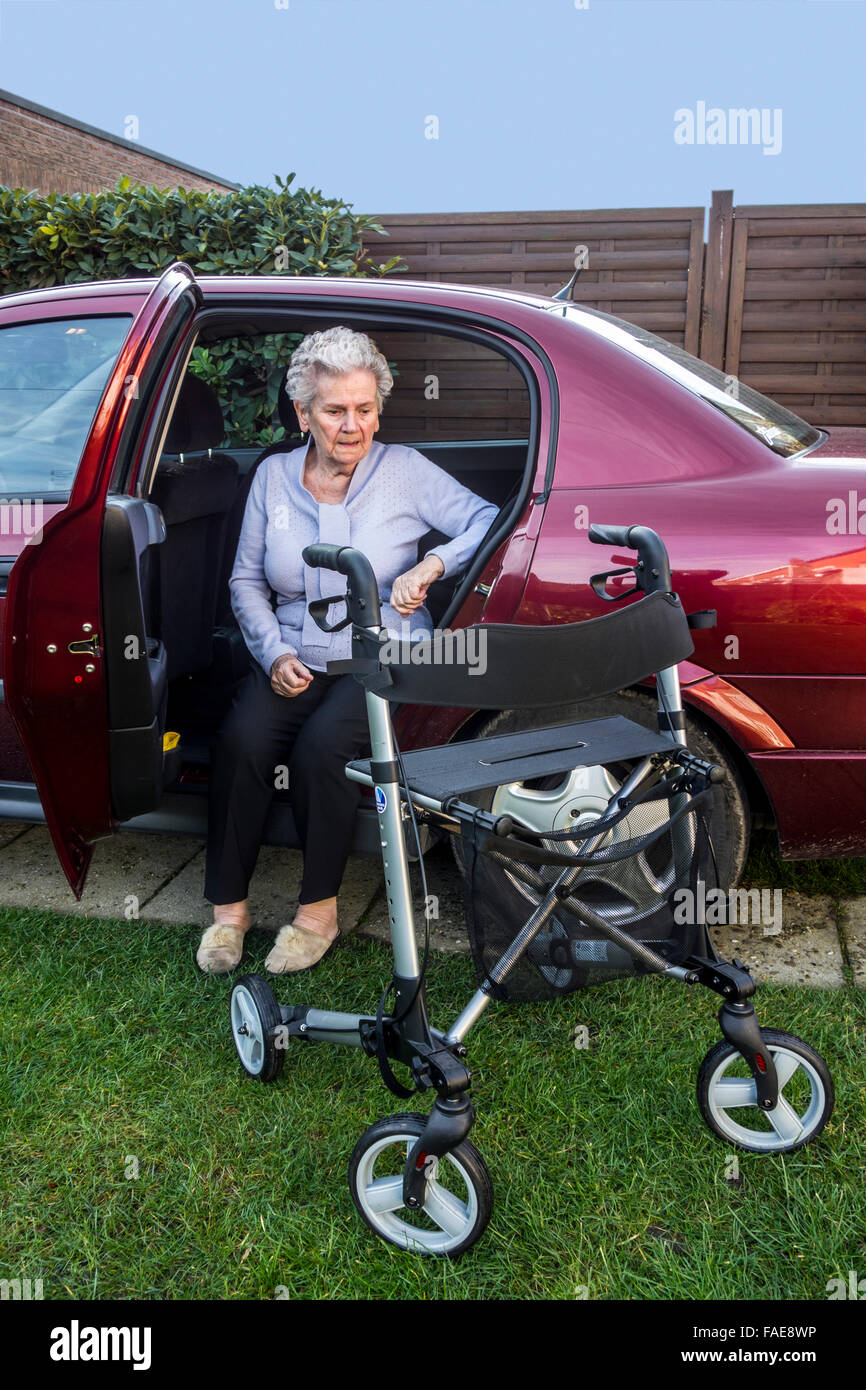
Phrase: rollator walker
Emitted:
{"points": [[549, 911]]}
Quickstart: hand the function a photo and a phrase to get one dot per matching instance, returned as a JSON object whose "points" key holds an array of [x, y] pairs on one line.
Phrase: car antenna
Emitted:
{"points": [[566, 291]]}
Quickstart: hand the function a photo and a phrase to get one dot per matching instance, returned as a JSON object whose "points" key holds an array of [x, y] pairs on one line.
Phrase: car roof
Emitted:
{"points": [[217, 285], [80, 288]]}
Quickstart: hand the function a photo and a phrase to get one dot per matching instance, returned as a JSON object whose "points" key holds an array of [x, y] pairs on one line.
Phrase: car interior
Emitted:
{"points": [[463, 404]]}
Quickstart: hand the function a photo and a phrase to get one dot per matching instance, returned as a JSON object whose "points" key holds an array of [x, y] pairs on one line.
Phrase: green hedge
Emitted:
{"points": [[134, 230]]}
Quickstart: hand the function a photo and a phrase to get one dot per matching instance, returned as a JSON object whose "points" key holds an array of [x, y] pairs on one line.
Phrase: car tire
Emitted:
{"points": [[730, 824]]}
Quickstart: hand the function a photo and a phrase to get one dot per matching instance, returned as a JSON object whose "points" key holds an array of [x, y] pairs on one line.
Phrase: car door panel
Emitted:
{"points": [[56, 658], [136, 663]]}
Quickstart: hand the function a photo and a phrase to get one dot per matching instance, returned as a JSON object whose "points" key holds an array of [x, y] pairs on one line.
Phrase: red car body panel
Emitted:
{"points": [[819, 800], [782, 673]]}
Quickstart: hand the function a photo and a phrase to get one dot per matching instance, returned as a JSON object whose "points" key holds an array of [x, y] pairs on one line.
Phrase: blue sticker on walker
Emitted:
{"points": [[381, 800]]}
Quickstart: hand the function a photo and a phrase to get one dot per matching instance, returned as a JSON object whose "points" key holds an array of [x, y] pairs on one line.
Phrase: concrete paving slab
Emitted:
{"points": [[273, 891], [447, 922], [163, 875], [11, 829], [181, 901], [126, 871], [853, 919], [806, 951]]}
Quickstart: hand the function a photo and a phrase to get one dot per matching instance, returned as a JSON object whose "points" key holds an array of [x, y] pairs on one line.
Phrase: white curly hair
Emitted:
{"points": [[335, 352]]}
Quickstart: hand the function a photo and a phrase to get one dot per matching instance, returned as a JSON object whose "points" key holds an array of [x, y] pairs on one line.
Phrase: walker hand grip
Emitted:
{"points": [[362, 593], [653, 569], [323, 557], [611, 535]]}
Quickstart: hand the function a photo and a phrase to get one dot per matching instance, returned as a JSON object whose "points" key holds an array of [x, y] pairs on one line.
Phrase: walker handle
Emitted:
{"points": [[610, 535], [653, 569], [324, 557], [362, 592]]}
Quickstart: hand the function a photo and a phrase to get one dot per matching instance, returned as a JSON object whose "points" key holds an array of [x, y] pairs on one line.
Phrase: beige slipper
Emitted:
{"points": [[296, 948], [221, 948]]}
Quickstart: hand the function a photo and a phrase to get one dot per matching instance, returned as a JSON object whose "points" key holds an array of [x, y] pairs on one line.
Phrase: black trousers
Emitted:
{"points": [[313, 735]]}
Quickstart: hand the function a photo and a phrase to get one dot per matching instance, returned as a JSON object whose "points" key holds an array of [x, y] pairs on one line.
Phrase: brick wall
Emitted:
{"points": [[44, 152]]}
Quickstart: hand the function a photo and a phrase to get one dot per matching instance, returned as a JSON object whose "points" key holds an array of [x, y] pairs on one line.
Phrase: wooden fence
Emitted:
{"points": [[776, 297]]}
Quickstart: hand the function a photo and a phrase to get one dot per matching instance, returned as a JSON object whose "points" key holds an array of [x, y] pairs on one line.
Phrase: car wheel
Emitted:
{"points": [[730, 822]]}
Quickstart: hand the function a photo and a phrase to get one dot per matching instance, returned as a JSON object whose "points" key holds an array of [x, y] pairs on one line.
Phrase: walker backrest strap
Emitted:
{"points": [[517, 666]]}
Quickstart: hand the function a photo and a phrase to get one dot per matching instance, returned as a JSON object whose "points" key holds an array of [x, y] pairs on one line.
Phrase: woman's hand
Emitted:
{"points": [[289, 676], [409, 590]]}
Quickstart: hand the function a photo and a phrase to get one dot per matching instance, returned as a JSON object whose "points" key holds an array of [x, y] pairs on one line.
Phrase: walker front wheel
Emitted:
{"points": [[459, 1197], [728, 1099], [256, 1018]]}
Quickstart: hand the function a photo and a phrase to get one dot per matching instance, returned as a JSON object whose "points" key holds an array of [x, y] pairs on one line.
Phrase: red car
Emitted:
{"points": [[123, 479]]}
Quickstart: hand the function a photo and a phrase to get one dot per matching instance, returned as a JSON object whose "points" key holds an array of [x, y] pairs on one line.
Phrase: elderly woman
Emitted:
{"points": [[340, 487]]}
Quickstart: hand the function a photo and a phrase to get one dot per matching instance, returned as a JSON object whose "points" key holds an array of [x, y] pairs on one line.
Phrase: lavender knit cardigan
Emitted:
{"points": [[394, 497]]}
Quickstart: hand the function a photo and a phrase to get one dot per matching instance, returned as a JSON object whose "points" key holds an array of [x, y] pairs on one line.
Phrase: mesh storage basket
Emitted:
{"points": [[646, 877]]}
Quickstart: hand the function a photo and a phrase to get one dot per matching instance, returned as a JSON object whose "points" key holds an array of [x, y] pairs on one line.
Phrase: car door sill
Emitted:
{"points": [[185, 813]]}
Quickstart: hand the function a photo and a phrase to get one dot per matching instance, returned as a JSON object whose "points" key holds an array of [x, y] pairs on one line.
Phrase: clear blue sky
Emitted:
{"points": [[539, 104]]}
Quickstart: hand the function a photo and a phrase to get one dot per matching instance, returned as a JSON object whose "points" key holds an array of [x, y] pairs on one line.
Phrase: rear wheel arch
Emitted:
{"points": [[759, 799]]}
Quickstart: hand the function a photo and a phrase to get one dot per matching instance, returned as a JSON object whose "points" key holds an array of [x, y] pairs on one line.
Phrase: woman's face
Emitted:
{"points": [[342, 418]]}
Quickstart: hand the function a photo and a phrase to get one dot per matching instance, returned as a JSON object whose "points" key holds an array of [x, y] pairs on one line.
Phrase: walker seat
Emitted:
{"points": [[457, 769]]}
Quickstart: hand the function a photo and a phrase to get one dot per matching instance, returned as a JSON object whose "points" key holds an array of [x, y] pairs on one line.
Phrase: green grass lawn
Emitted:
{"points": [[116, 1047]]}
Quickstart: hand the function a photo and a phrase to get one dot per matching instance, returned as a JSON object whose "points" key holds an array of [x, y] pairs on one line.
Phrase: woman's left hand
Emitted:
{"points": [[409, 590]]}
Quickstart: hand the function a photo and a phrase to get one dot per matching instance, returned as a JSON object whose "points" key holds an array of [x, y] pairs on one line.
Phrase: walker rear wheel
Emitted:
{"points": [[256, 1017], [459, 1192], [728, 1100]]}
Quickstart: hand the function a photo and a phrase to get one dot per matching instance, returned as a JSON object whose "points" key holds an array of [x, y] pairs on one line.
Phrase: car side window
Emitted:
{"points": [[448, 389], [52, 375]]}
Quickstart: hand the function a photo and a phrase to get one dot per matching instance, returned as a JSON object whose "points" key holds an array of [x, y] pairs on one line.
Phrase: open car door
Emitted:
{"points": [[85, 684]]}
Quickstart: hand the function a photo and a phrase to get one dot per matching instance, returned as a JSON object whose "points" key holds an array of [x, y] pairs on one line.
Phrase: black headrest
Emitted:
{"points": [[197, 422]]}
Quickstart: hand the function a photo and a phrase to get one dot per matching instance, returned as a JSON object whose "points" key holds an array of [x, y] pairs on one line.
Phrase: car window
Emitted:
{"points": [[449, 389], [446, 389], [780, 429], [52, 375], [246, 373]]}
